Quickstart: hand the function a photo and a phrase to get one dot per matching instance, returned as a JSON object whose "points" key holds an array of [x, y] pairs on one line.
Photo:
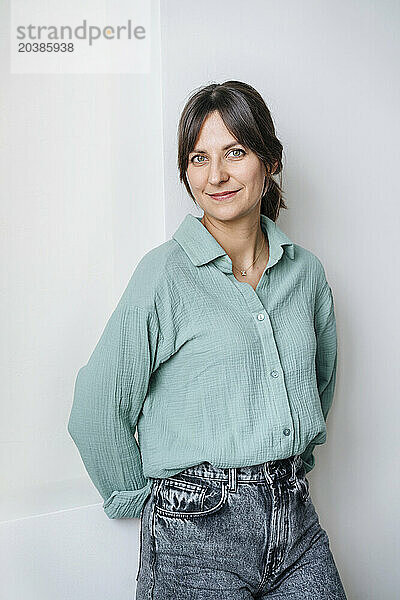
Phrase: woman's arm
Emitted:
{"points": [[108, 396], [325, 360]]}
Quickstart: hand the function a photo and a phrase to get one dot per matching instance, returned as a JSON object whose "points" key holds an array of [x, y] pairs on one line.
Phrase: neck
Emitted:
{"points": [[242, 239]]}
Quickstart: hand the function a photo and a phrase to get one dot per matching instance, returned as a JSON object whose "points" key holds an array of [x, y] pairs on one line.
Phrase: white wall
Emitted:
{"points": [[329, 74], [82, 201]]}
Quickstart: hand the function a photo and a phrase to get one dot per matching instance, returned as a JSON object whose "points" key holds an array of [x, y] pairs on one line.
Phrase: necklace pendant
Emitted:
{"points": [[243, 273]]}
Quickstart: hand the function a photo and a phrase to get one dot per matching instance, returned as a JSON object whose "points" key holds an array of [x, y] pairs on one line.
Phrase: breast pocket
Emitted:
{"points": [[184, 499]]}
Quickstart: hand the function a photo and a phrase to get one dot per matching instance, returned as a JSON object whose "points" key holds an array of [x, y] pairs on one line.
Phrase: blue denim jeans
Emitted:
{"points": [[209, 533]]}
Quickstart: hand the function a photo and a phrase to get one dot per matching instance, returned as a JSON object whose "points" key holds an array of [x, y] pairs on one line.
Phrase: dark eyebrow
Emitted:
{"points": [[224, 148]]}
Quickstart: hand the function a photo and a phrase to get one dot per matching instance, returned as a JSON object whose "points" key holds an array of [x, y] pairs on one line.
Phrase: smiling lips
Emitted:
{"points": [[223, 195]]}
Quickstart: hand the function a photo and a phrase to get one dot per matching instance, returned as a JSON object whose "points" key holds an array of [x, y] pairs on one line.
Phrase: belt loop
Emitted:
{"points": [[267, 474], [292, 478], [232, 479]]}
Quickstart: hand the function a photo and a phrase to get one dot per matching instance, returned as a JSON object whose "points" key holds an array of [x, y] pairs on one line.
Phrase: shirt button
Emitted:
{"points": [[261, 316], [286, 431], [274, 373]]}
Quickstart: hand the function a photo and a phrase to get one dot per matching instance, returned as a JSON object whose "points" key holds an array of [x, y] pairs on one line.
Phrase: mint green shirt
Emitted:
{"points": [[205, 368]]}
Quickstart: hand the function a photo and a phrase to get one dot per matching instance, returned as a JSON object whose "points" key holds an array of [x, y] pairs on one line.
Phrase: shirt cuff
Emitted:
{"points": [[127, 504]]}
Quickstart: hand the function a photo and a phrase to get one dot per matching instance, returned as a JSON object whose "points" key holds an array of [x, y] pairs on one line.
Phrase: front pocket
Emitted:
{"points": [[184, 499]]}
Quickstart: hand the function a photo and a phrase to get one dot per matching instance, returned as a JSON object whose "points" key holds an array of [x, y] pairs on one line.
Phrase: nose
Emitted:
{"points": [[217, 173]]}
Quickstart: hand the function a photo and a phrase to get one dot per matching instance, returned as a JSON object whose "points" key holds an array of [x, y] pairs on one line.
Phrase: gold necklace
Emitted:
{"points": [[244, 271]]}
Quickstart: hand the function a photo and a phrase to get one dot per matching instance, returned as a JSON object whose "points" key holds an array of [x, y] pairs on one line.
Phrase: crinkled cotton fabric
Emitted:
{"points": [[203, 367]]}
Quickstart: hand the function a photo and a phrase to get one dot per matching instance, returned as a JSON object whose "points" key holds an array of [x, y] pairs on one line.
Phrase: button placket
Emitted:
{"points": [[269, 345], [276, 380]]}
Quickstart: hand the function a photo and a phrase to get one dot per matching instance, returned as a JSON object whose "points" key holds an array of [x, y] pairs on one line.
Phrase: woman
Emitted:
{"points": [[222, 351]]}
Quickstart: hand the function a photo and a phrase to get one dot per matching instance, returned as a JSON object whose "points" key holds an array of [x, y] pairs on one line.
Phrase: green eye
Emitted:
{"points": [[238, 150], [196, 156]]}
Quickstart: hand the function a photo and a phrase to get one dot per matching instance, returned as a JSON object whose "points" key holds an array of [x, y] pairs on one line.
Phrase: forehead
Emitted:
{"points": [[214, 133]]}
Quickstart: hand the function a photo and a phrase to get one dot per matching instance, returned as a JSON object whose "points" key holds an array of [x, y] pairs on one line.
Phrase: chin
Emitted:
{"points": [[225, 213]]}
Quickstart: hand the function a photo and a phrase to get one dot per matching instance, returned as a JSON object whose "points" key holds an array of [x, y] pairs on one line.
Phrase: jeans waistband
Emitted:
{"points": [[274, 469]]}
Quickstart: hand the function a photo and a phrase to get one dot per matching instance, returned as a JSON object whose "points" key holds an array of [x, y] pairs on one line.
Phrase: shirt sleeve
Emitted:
{"points": [[325, 361], [108, 396]]}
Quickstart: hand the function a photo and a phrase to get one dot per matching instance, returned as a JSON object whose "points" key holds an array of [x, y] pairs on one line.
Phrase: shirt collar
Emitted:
{"points": [[202, 247]]}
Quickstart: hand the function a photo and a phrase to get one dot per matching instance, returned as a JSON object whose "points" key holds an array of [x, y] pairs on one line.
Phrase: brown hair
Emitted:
{"points": [[248, 119]]}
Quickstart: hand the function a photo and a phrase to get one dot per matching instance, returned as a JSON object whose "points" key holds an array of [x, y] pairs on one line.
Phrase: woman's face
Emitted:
{"points": [[218, 164]]}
